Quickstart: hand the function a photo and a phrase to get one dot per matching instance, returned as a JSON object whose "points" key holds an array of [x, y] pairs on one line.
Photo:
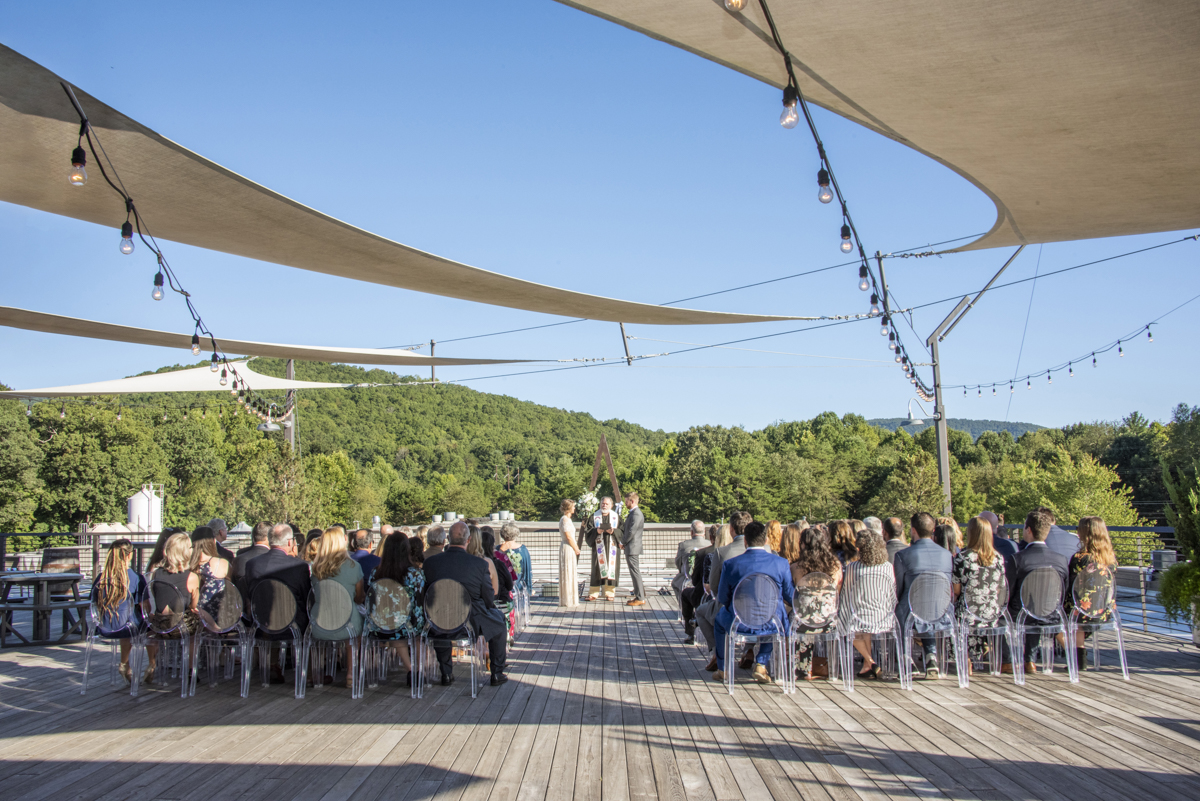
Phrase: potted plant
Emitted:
{"points": [[1179, 593], [1179, 590]]}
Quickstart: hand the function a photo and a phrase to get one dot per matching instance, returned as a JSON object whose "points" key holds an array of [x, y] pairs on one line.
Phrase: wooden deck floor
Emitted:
{"points": [[606, 703]]}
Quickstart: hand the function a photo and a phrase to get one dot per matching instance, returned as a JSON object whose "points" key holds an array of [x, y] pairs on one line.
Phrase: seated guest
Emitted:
{"points": [[893, 533], [333, 563], [706, 613], [209, 571], [923, 556], [976, 576], [1059, 539], [397, 565], [1095, 553], [416, 551], [308, 551], [173, 569], [842, 539], [260, 537], [367, 561], [117, 595], [685, 559], [505, 575], [1002, 544], [1035, 554], [868, 597], [812, 555], [220, 530], [435, 540], [156, 556], [518, 554], [693, 596], [485, 619], [774, 535], [282, 565], [946, 537], [958, 536], [755, 559]]}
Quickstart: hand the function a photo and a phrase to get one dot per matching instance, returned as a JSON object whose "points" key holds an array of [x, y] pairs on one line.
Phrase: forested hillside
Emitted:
{"points": [[406, 452], [973, 427]]}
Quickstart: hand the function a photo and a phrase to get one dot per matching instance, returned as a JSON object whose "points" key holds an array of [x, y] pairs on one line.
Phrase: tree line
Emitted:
{"points": [[408, 452]]}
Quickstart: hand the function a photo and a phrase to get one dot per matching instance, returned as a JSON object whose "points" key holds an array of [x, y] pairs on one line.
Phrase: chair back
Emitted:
{"points": [[868, 613], [121, 622], [756, 600], [390, 605], [164, 607], [1042, 593], [929, 597], [223, 613], [1094, 590], [332, 607], [447, 605], [60, 560], [815, 601], [981, 606], [272, 606]]}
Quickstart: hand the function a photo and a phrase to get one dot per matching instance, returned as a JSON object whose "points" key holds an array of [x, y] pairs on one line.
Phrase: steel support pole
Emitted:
{"points": [[290, 431], [941, 430]]}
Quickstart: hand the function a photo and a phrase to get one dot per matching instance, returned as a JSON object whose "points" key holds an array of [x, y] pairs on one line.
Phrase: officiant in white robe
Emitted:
{"points": [[601, 535]]}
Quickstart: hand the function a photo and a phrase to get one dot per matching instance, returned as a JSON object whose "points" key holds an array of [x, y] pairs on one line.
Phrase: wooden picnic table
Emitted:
{"points": [[43, 608]]}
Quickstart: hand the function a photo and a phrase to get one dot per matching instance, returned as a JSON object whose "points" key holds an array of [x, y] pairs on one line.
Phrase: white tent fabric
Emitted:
{"points": [[1078, 118], [189, 199], [196, 379], [73, 326]]}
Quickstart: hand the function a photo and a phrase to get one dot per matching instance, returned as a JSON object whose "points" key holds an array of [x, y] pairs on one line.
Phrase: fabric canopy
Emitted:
{"points": [[72, 326], [1078, 118], [195, 379], [189, 199]]}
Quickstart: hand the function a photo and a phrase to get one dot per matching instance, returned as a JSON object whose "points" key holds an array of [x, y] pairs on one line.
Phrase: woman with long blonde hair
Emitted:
{"points": [[774, 535], [958, 535], [333, 563], [976, 577], [175, 570], [117, 595], [1095, 554]]}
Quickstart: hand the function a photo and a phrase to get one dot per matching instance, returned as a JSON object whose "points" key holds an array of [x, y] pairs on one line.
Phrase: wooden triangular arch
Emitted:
{"points": [[612, 474]]}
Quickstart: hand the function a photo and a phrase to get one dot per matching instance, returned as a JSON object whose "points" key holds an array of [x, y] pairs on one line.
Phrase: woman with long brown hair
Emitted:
{"points": [[208, 571], [813, 556], [1095, 554], [117, 595], [976, 577], [398, 566], [842, 540], [774, 535]]}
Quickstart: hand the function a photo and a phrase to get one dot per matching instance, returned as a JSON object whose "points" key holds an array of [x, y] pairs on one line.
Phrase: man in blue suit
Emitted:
{"points": [[923, 556], [1001, 544], [756, 559]]}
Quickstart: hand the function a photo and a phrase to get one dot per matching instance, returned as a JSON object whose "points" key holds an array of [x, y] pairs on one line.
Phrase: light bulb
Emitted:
{"points": [[1120, 351], [1070, 371], [1149, 334], [993, 391], [78, 174], [157, 294], [964, 392], [224, 377], [126, 238], [1028, 384], [1093, 360], [62, 415], [847, 247], [1011, 389], [195, 344], [885, 328], [29, 411], [790, 116], [874, 304], [164, 415], [897, 357], [1049, 378], [214, 365], [735, 5], [863, 283], [119, 415], [824, 193], [981, 393]]}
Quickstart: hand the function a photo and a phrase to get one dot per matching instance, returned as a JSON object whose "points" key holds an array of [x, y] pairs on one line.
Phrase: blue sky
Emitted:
{"points": [[537, 141]]}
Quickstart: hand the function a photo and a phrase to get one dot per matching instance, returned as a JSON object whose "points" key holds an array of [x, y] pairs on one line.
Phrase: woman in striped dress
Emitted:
{"points": [[868, 599]]}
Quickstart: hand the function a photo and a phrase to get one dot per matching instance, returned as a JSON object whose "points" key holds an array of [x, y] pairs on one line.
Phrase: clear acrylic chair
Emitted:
{"points": [[222, 634], [755, 608], [865, 615], [274, 610], [931, 608], [389, 609], [447, 623], [1094, 610], [983, 616], [112, 629], [163, 610], [332, 612], [1042, 614], [814, 620]]}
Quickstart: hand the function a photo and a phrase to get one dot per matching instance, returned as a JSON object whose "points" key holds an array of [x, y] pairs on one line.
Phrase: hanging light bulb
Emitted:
{"points": [[1149, 334], [164, 415], [62, 414], [204, 413], [885, 327], [214, 365], [824, 193], [863, 283], [157, 294], [1028, 385], [1070, 371], [1093, 360], [1120, 351], [196, 344], [847, 246], [1049, 378], [126, 237], [29, 410], [891, 340], [735, 5], [964, 392], [980, 394], [790, 116], [185, 415], [119, 413], [897, 355], [224, 377], [78, 174], [874, 304], [993, 390], [1011, 389]]}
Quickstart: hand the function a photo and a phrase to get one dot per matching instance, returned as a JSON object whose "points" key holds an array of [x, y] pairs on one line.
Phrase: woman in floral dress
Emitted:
{"points": [[397, 567], [977, 575], [808, 552], [1095, 556]]}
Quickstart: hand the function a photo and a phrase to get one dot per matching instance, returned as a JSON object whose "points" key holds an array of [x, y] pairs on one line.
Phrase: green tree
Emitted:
{"points": [[21, 459], [332, 480], [911, 487], [1071, 488]]}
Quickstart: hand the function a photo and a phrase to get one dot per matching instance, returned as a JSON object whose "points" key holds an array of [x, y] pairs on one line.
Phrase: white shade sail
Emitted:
{"points": [[73, 326], [1078, 118], [189, 199]]}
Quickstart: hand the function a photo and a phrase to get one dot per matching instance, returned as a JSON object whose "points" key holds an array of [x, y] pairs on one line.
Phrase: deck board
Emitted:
{"points": [[605, 702]]}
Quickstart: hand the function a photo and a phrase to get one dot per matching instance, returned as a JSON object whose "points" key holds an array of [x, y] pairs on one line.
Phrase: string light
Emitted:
{"points": [[824, 193], [848, 246], [157, 294], [875, 305], [1011, 388], [119, 410], [735, 5], [196, 344], [980, 392], [993, 390], [127, 237], [892, 341], [885, 327], [1120, 351], [224, 378], [1093, 360], [790, 117], [78, 174], [1049, 378], [1028, 385], [214, 365], [164, 415], [62, 414], [1070, 370], [29, 410], [1149, 334], [863, 284]]}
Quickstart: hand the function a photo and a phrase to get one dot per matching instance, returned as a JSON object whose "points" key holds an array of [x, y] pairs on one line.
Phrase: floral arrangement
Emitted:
{"points": [[586, 504]]}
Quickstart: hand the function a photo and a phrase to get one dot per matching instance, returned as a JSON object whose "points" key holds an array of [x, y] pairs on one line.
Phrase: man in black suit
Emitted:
{"points": [[280, 563], [1036, 554], [485, 619], [260, 538]]}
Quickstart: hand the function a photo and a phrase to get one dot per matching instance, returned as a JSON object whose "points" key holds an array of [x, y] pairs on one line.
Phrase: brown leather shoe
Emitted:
{"points": [[712, 664], [635, 602], [1006, 668], [719, 676], [1030, 668]]}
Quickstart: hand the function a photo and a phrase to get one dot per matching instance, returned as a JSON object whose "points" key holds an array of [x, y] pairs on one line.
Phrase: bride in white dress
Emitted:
{"points": [[568, 556]]}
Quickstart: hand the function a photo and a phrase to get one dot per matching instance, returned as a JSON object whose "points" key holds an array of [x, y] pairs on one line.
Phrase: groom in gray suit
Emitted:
{"points": [[631, 544]]}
